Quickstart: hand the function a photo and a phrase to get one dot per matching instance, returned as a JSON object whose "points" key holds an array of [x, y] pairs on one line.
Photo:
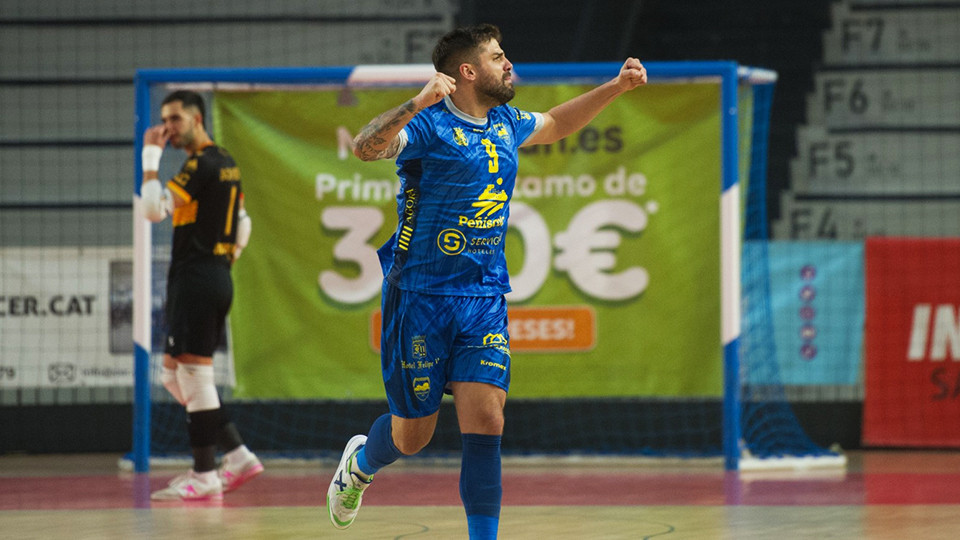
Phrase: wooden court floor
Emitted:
{"points": [[880, 495]]}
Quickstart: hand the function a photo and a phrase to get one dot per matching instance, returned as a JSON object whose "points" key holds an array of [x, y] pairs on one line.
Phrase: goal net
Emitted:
{"points": [[640, 313]]}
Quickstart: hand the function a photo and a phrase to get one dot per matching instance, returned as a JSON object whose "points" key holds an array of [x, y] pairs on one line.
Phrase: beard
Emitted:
{"points": [[184, 140], [498, 90]]}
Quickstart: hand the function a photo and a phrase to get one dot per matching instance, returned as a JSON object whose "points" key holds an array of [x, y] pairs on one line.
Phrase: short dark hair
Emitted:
{"points": [[189, 99], [460, 45]]}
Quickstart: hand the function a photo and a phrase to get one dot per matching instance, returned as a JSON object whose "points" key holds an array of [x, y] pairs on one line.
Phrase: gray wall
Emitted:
{"points": [[67, 102]]}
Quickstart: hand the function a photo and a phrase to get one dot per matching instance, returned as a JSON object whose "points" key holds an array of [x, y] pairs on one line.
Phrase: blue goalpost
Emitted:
{"points": [[758, 425]]}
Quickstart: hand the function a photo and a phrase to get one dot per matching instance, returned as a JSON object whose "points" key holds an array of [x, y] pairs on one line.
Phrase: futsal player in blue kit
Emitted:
{"points": [[445, 273]]}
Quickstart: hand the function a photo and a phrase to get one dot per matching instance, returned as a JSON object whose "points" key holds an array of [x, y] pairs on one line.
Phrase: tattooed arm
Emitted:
{"points": [[379, 140]]}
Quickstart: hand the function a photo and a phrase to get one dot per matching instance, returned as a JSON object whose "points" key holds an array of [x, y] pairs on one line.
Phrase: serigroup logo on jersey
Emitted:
{"points": [[451, 241]]}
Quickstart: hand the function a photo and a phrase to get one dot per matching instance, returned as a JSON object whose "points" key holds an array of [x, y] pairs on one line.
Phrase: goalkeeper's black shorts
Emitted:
{"points": [[199, 294]]}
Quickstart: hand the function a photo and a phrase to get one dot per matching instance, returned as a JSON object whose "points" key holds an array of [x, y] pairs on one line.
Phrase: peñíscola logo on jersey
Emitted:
{"points": [[489, 203]]}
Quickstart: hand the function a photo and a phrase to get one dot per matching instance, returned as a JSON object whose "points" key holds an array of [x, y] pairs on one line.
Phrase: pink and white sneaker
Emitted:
{"points": [[192, 486], [233, 475]]}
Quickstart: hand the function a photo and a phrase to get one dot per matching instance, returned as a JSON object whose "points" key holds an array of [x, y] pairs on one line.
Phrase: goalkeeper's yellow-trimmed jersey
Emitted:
{"points": [[457, 174], [209, 183]]}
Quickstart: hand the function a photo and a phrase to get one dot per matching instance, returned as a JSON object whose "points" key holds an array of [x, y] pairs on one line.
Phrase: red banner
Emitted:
{"points": [[912, 364]]}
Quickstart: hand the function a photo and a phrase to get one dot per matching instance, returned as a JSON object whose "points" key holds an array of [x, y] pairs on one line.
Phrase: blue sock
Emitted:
{"points": [[379, 451], [481, 527], [480, 486]]}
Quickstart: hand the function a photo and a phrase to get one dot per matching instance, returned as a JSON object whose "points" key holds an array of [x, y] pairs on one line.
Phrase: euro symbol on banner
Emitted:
{"points": [[585, 250]]}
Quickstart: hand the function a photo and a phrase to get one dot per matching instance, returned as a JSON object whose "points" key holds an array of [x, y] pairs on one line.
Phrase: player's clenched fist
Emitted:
{"points": [[438, 87], [632, 74]]}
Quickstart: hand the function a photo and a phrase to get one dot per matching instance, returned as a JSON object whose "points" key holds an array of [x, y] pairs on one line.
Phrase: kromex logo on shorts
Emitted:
{"points": [[488, 363], [421, 387]]}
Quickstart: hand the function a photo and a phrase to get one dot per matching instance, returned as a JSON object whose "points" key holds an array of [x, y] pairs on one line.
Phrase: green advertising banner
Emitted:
{"points": [[613, 246]]}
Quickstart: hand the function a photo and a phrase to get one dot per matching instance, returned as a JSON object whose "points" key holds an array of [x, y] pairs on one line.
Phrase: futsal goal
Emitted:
{"points": [[640, 314]]}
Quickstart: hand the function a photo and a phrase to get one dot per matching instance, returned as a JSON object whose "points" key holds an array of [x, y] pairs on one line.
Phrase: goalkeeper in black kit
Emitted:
{"points": [[210, 228]]}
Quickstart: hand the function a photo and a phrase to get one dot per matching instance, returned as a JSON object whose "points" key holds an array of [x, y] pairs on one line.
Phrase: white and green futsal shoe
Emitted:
{"points": [[346, 489]]}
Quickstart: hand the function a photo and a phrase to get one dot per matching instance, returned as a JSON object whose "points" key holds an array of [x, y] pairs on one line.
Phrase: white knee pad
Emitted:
{"points": [[197, 386], [169, 379]]}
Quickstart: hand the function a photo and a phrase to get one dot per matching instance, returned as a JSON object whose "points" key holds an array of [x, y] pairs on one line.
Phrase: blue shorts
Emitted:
{"points": [[428, 341]]}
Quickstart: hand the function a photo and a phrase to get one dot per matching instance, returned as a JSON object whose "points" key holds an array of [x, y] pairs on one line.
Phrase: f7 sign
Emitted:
{"points": [[912, 342]]}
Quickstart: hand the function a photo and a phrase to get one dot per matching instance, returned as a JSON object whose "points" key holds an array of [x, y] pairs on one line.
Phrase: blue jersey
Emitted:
{"points": [[457, 174]]}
